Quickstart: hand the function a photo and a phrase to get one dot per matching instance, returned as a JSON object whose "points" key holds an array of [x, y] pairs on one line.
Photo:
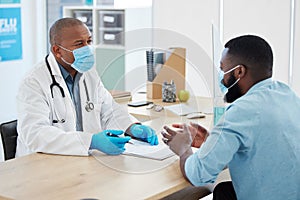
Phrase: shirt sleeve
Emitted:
{"points": [[227, 137]]}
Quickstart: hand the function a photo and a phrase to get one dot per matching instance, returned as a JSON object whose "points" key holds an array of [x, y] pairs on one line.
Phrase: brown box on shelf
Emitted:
{"points": [[172, 69]]}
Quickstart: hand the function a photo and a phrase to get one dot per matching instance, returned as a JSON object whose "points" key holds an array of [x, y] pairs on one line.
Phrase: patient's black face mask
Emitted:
{"points": [[234, 92]]}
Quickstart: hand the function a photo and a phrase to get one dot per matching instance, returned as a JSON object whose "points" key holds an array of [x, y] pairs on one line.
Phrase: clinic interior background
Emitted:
{"points": [[176, 23]]}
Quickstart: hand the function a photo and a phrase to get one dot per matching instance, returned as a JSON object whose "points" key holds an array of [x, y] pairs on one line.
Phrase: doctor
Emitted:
{"points": [[63, 107]]}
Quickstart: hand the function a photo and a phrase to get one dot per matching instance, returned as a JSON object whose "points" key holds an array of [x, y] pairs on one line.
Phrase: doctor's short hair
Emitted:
{"points": [[59, 25], [253, 52]]}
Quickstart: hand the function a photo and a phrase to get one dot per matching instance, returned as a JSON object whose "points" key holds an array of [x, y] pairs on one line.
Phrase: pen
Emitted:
{"points": [[113, 135]]}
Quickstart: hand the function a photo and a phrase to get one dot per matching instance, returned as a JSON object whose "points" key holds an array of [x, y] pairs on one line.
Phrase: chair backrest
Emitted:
{"points": [[9, 136]]}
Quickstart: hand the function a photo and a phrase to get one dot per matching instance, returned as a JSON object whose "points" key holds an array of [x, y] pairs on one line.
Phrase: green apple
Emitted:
{"points": [[183, 95]]}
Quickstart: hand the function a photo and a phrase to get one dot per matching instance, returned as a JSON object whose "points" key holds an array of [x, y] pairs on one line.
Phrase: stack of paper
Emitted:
{"points": [[145, 150], [180, 109], [120, 96]]}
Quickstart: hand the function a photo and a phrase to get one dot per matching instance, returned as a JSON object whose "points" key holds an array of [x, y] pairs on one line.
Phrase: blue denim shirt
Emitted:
{"points": [[73, 87], [258, 138]]}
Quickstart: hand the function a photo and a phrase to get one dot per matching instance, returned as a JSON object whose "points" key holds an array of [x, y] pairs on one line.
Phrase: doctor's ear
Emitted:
{"points": [[56, 50]]}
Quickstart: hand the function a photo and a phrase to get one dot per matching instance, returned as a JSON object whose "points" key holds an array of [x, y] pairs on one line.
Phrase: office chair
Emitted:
{"points": [[9, 136]]}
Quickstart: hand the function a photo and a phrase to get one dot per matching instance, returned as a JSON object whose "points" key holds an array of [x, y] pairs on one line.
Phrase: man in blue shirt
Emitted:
{"points": [[257, 137]]}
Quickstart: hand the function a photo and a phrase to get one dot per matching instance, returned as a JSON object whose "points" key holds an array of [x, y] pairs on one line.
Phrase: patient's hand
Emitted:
{"points": [[199, 133]]}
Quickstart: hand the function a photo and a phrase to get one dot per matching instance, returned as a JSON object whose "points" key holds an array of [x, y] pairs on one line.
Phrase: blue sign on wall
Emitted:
{"points": [[10, 34], [9, 1]]}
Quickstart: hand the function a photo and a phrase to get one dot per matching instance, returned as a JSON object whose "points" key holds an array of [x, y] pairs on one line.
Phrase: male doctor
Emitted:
{"points": [[63, 107]]}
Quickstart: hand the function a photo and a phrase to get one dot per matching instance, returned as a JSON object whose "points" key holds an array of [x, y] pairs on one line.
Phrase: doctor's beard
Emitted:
{"points": [[234, 92]]}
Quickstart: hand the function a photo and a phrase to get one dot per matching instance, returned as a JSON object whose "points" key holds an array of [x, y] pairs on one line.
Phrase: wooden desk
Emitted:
{"points": [[42, 176]]}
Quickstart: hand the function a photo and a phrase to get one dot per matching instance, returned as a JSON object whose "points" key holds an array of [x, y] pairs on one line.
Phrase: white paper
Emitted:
{"points": [[145, 150], [180, 109]]}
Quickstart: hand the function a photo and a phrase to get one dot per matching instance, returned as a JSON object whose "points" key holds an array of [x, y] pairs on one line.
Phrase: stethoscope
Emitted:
{"points": [[89, 105]]}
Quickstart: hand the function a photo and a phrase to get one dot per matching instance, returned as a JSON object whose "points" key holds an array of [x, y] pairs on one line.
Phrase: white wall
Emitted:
{"points": [[296, 60], [188, 24], [132, 3], [34, 48], [138, 24], [266, 18]]}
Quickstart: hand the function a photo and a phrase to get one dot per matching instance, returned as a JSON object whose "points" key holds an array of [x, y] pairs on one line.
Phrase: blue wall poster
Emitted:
{"points": [[9, 1], [10, 34]]}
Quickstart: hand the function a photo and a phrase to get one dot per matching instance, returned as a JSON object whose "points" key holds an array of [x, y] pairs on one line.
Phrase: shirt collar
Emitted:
{"points": [[66, 75], [260, 84]]}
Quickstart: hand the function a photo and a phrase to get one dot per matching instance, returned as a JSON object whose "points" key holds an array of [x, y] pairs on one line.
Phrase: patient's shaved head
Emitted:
{"points": [[253, 52]]}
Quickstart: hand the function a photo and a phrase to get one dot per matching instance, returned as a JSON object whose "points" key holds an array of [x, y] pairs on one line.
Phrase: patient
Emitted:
{"points": [[257, 137]]}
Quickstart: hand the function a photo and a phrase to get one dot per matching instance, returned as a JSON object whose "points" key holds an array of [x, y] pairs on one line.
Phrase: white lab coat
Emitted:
{"points": [[37, 110]]}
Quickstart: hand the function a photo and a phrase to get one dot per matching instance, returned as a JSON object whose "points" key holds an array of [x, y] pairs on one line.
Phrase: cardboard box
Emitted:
{"points": [[173, 69]]}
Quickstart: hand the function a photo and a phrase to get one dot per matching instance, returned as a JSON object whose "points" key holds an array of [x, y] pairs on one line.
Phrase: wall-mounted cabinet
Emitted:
{"points": [[86, 16], [111, 27], [121, 37], [106, 25]]}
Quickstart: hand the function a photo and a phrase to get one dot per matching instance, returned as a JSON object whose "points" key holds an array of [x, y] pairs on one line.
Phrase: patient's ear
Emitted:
{"points": [[241, 71]]}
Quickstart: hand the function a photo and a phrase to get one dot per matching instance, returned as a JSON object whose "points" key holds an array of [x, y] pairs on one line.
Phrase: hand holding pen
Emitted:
{"points": [[113, 135], [109, 142]]}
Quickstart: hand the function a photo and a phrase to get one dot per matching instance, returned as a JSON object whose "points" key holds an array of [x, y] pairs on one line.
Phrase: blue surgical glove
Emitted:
{"points": [[108, 142], [144, 133]]}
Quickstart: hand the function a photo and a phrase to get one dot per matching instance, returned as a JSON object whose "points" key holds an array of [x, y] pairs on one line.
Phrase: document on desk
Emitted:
{"points": [[180, 109], [145, 150]]}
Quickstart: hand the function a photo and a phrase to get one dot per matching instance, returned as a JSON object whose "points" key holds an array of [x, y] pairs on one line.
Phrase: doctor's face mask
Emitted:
{"points": [[84, 58]]}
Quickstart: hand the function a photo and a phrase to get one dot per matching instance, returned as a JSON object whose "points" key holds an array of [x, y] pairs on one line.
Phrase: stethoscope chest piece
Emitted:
{"points": [[89, 106]]}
